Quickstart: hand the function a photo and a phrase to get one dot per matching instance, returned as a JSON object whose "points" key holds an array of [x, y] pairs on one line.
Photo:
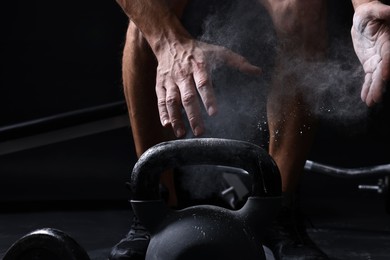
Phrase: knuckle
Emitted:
{"points": [[192, 119], [181, 74], [202, 82], [201, 64], [175, 121], [171, 101], [162, 73], [160, 82], [159, 87], [188, 98], [161, 102]]}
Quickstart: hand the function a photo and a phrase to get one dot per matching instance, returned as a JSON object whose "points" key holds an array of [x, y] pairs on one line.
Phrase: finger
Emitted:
{"points": [[370, 67], [173, 105], [205, 88], [161, 104], [381, 11], [386, 62], [191, 105], [366, 87], [377, 86], [235, 60]]}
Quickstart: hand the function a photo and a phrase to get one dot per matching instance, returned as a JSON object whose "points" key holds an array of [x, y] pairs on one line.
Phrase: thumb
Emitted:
{"points": [[386, 62], [381, 11], [237, 61]]}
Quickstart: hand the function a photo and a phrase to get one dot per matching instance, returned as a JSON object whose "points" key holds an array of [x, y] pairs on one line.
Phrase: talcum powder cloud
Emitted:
{"points": [[332, 86]]}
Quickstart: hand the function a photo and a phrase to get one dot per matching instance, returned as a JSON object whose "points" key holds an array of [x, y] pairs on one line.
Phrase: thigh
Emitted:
{"points": [[300, 24]]}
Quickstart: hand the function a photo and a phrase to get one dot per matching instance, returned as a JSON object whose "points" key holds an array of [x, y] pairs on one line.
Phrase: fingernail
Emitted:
{"points": [[198, 131], [179, 132], [212, 111], [165, 122]]}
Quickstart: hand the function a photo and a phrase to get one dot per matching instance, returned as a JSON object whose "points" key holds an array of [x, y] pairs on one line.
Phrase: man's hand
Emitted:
{"points": [[371, 39], [184, 72], [184, 64]]}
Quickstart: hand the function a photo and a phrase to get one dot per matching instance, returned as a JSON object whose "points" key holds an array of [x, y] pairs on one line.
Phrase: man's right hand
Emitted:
{"points": [[184, 64], [183, 72]]}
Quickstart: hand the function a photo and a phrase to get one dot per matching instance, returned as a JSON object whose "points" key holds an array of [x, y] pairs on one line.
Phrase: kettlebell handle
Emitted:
{"points": [[205, 151]]}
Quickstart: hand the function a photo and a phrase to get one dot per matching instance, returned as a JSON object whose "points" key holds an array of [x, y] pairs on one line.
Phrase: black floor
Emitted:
{"points": [[345, 222]]}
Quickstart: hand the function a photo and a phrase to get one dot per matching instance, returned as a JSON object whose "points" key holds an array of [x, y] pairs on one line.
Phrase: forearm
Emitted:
{"points": [[156, 20]]}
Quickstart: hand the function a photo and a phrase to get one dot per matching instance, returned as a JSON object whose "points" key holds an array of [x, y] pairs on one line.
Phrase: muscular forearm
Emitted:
{"points": [[157, 22], [357, 3]]}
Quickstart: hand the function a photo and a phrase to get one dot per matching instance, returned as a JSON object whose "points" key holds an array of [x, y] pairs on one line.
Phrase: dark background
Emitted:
{"points": [[63, 57], [56, 58]]}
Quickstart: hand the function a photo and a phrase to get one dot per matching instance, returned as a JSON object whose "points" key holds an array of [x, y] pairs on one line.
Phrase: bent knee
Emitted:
{"points": [[300, 24], [293, 17]]}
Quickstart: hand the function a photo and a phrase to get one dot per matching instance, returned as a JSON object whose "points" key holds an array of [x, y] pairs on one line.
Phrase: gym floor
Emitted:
{"points": [[345, 222]]}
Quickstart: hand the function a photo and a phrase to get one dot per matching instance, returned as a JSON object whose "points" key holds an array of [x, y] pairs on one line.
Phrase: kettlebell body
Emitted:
{"points": [[206, 231]]}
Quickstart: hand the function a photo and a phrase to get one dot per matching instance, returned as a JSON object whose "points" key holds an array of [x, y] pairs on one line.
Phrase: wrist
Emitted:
{"points": [[357, 3], [170, 33], [157, 21]]}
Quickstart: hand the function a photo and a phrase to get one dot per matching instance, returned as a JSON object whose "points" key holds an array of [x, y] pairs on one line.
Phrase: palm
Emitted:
{"points": [[371, 39]]}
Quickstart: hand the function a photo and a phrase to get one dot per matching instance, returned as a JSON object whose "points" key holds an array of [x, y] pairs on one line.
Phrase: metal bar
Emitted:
{"points": [[377, 170], [62, 120], [64, 134]]}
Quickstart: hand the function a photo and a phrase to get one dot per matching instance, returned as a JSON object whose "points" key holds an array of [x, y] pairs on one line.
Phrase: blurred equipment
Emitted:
{"points": [[46, 244]]}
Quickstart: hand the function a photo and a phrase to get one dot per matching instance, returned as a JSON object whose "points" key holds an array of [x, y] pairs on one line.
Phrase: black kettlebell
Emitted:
{"points": [[206, 231]]}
